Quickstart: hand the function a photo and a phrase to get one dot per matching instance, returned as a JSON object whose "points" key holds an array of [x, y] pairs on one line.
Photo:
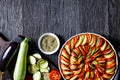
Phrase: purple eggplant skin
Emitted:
{"points": [[8, 55]]}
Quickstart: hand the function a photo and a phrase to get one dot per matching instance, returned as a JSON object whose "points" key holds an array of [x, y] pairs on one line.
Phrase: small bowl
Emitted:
{"points": [[40, 43]]}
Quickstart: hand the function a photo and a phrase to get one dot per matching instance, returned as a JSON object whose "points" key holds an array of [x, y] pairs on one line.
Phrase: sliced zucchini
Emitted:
{"points": [[103, 46], [87, 75], [84, 40], [67, 72], [37, 56], [33, 68], [111, 54], [74, 77], [67, 47], [72, 44], [42, 63], [76, 72], [79, 41], [64, 67], [31, 60], [73, 67], [44, 70], [65, 63], [92, 74], [110, 70], [45, 76], [37, 76], [80, 59]]}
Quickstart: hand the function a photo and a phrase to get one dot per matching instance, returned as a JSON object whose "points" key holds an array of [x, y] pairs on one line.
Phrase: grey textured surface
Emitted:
{"points": [[65, 18]]}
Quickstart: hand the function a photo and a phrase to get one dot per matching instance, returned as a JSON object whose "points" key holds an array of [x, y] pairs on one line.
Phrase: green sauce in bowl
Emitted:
{"points": [[48, 43]]}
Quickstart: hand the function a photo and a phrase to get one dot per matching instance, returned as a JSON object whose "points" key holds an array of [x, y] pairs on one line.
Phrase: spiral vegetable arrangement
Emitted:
{"points": [[87, 57]]}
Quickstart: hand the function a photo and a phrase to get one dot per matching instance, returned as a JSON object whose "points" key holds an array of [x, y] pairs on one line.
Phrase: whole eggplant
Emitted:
{"points": [[8, 55]]}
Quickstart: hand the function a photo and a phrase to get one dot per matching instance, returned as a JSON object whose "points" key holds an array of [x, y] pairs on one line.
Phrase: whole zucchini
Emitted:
{"points": [[20, 67]]}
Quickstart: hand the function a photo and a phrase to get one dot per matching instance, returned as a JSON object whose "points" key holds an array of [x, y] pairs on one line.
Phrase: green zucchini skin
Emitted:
{"points": [[21, 63]]}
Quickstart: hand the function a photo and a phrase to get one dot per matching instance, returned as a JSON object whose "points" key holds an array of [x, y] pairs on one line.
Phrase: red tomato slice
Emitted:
{"points": [[54, 75]]}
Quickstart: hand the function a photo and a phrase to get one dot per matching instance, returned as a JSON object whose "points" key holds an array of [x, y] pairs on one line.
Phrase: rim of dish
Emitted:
{"points": [[39, 43]]}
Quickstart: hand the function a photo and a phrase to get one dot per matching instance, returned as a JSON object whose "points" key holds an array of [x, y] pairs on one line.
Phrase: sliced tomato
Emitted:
{"points": [[102, 78], [65, 54], [63, 58], [86, 49], [82, 73], [76, 39], [88, 60], [67, 47], [97, 74], [96, 54], [68, 77], [77, 51], [111, 58], [88, 37], [82, 51], [100, 42], [107, 51], [111, 65], [72, 43], [74, 54], [100, 69], [54, 75]]}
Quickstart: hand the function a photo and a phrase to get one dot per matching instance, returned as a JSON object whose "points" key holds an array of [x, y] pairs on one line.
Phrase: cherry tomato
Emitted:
{"points": [[54, 75]]}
